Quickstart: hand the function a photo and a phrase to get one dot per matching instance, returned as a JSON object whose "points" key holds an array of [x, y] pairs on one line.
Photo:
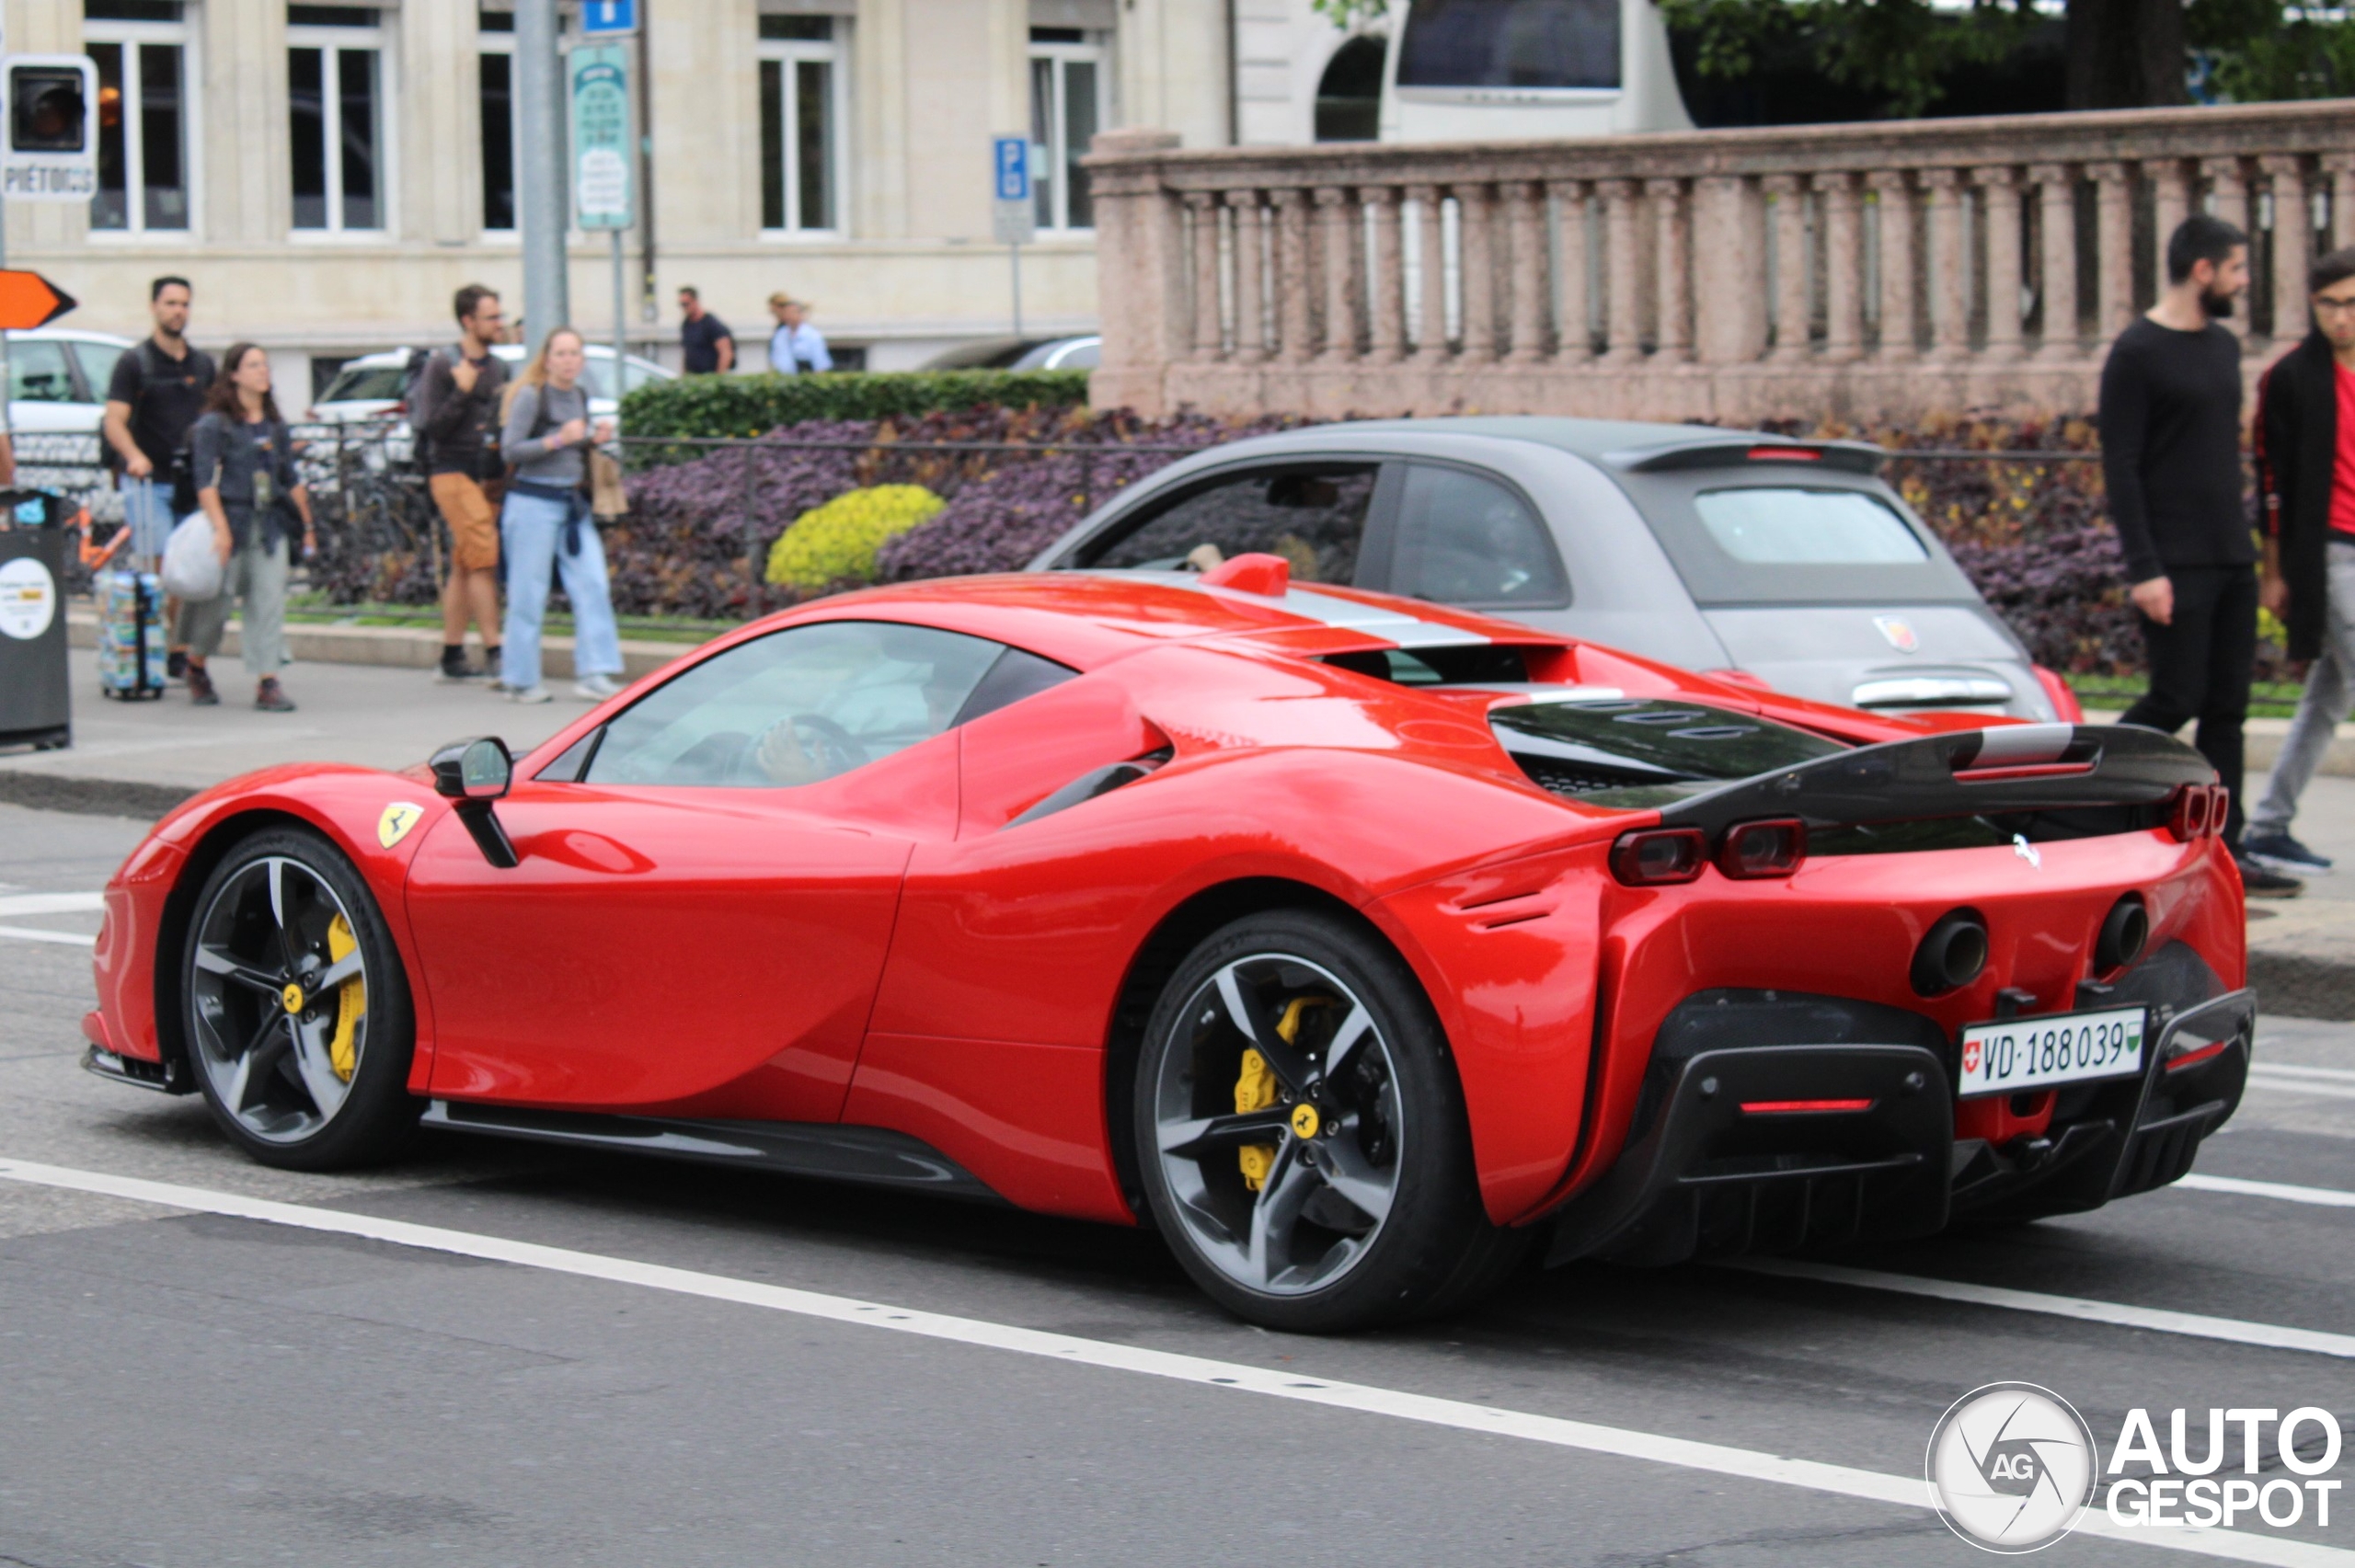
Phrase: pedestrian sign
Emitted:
{"points": [[1010, 155], [605, 18], [601, 146]]}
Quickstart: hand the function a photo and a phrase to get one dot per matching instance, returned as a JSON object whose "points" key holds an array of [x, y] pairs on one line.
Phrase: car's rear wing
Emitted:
{"points": [[2014, 768]]}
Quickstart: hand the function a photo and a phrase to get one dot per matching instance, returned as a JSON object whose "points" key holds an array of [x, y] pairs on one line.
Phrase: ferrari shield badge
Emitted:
{"points": [[1898, 631], [397, 819]]}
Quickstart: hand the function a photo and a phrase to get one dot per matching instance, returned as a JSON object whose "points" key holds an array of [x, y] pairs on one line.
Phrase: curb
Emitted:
{"points": [[398, 647], [89, 797]]}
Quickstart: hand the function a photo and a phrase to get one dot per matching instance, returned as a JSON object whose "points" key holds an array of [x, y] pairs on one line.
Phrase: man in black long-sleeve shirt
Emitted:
{"points": [[456, 408], [2171, 457]]}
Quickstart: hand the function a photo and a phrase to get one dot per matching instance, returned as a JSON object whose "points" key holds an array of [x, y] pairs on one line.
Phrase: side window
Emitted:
{"points": [[1311, 514], [37, 373], [98, 368], [796, 707], [1467, 540]]}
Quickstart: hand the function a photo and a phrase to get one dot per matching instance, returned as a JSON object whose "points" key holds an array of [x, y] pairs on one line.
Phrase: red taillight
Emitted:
{"points": [[1655, 857], [1801, 1107], [1785, 454], [2198, 812], [1772, 848]]}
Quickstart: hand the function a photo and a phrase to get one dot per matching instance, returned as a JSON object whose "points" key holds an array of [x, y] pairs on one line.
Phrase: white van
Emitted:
{"points": [[1505, 70]]}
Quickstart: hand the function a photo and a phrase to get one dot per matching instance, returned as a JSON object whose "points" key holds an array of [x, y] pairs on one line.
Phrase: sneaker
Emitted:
{"points": [[2280, 851], [535, 694], [199, 687], [272, 698], [175, 664], [2258, 883], [596, 688]]}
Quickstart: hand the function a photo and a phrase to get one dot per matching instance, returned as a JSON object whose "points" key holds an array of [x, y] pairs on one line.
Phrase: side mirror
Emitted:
{"points": [[475, 774]]}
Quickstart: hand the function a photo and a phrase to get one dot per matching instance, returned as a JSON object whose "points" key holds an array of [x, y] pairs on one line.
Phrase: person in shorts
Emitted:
{"points": [[455, 417]]}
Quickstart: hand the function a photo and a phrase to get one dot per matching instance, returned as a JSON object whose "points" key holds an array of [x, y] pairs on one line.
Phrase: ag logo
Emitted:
{"points": [[2011, 1466], [397, 819]]}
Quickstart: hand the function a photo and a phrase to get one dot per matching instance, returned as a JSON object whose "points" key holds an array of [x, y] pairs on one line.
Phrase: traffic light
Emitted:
{"points": [[47, 111]]}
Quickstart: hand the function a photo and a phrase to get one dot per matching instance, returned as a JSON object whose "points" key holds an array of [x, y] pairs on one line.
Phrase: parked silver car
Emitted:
{"points": [[1789, 563]]}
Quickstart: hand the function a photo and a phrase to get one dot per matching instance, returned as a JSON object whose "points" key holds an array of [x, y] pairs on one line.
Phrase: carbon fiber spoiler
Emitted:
{"points": [[2013, 767]]}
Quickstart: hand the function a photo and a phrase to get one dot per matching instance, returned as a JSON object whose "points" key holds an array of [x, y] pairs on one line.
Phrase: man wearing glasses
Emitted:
{"points": [[2305, 477]]}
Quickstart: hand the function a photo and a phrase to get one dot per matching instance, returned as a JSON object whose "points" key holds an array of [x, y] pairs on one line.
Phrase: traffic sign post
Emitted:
{"points": [[1012, 218], [600, 156]]}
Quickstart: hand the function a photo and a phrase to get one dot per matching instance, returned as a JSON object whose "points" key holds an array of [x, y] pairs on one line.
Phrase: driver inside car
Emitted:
{"points": [[808, 748]]}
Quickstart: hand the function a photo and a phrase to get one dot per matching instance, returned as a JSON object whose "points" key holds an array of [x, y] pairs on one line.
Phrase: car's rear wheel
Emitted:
{"points": [[297, 1011], [1302, 1135]]}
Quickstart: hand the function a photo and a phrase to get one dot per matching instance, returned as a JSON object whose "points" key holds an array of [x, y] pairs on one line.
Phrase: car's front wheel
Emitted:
{"points": [[297, 1014], [1300, 1132]]}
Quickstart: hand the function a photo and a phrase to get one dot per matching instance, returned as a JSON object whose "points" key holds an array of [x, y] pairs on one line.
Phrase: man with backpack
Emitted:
{"points": [[453, 400], [152, 400]]}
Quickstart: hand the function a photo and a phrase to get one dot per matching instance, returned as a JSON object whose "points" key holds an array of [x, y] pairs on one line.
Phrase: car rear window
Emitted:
{"points": [[1641, 751], [365, 383], [1783, 525]]}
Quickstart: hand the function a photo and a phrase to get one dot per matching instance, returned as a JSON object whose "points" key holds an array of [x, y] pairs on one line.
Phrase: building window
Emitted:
{"points": [[141, 48], [1066, 111], [497, 63], [801, 113], [335, 72]]}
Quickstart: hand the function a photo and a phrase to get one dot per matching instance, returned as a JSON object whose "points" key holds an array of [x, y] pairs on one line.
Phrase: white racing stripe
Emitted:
{"points": [[2196, 1325], [34, 933], [1746, 1464], [2326, 1197]]}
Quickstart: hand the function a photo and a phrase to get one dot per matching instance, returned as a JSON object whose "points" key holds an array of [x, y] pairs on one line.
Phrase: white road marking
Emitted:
{"points": [[2326, 1197], [2295, 1069], [34, 933], [53, 904], [1746, 1464], [2281, 1083], [2196, 1325]]}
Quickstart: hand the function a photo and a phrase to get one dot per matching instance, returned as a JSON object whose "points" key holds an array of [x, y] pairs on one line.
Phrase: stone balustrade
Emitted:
{"points": [[1865, 272]]}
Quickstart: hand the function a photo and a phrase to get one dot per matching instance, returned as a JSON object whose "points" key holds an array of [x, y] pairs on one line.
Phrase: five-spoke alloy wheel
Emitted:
{"points": [[1301, 1133], [296, 1011]]}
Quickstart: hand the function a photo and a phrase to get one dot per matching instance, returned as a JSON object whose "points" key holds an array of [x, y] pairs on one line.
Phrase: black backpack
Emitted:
{"points": [[413, 378]]}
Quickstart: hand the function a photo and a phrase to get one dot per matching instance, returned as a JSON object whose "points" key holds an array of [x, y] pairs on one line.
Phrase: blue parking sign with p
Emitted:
{"points": [[608, 17], [1011, 157]]}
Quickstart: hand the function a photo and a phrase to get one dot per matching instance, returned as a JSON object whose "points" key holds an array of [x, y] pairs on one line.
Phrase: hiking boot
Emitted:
{"points": [[2280, 851], [2258, 883], [199, 687], [272, 698]]}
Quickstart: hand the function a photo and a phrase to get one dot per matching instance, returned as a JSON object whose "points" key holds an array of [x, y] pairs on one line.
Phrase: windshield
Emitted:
{"points": [[1642, 751], [1510, 43], [365, 383]]}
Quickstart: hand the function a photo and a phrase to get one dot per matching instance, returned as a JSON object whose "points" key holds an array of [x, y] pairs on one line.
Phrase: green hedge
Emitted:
{"points": [[710, 406]]}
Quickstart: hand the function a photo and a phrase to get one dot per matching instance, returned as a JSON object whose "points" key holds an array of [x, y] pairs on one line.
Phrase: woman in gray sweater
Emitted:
{"points": [[545, 519]]}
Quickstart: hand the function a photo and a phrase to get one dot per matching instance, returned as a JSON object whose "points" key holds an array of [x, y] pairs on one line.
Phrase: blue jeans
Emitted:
{"points": [[531, 532]]}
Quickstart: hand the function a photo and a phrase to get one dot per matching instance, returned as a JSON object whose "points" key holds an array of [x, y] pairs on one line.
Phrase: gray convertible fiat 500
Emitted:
{"points": [[1791, 562]]}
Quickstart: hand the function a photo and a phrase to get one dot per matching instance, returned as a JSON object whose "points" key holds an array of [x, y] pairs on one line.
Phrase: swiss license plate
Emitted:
{"points": [[2018, 1054]]}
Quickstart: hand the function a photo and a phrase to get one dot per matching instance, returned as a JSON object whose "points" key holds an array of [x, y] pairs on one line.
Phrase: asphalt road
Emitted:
{"points": [[199, 1388]]}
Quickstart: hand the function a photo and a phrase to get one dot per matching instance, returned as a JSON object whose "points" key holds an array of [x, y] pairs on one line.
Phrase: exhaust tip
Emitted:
{"points": [[2125, 931], [1951, 953]]}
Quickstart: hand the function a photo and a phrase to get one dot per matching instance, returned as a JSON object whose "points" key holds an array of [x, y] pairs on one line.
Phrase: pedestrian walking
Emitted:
{"points": [[2304, 434], [152, 400], [453, 418], [796, 346], [242, 461], [2170, 424], [706, 345], [546, 439]]}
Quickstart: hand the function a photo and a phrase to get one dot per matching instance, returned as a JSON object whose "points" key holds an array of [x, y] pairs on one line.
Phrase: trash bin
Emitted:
{"points": [[35, 694]]}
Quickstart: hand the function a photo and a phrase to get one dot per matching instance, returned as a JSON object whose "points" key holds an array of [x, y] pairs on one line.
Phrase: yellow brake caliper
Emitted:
{"points": [[351, 1002], [1256, 1091]]}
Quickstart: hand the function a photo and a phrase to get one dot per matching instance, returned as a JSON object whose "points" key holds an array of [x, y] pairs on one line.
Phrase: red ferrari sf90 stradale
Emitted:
{"points": [[1359, 946]]}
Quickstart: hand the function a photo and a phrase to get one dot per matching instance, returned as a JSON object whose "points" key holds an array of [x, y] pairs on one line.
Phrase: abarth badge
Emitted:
{"points": [[1899, 633], [2025, 850], [397, 819]]}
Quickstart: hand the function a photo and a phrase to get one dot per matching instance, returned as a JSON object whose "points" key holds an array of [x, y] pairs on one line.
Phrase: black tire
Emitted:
{"points": [[1320, 1245], [324, 1088]]}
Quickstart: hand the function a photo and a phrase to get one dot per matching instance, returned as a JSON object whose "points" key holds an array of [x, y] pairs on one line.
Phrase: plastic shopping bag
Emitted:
{"points": [[191, 566]]}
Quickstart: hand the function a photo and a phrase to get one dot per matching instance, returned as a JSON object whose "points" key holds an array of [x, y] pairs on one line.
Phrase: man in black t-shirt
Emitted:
{"points": [[156, 393], [707, 347], [2171, 458]]}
